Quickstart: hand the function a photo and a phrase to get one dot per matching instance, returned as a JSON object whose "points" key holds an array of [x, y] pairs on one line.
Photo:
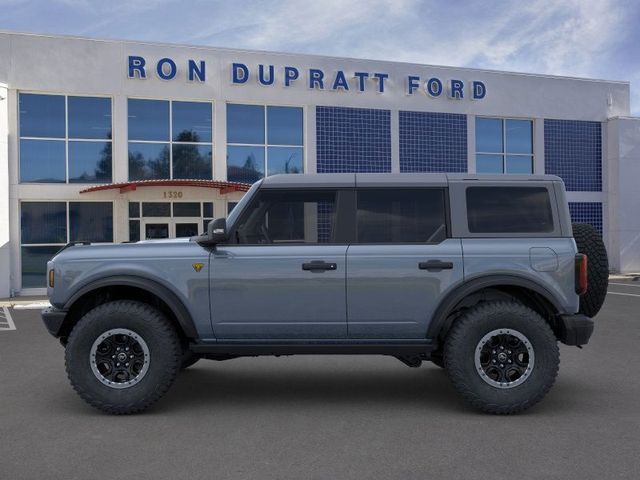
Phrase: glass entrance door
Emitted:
{"points": [[159, 228], [186, 227]]}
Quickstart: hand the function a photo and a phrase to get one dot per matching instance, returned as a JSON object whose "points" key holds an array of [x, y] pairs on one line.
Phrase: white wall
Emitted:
{"points": [[5, 264]]}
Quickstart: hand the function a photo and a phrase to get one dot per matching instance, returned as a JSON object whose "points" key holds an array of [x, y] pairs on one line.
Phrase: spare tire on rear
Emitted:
{"points": [[589, 242]]}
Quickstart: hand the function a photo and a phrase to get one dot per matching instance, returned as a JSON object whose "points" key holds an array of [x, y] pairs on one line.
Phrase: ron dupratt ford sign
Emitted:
{"points": [[313, 78]]}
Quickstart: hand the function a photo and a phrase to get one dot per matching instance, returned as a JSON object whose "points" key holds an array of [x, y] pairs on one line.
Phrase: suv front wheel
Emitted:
{"points": [[502, 357], [122, 356]]}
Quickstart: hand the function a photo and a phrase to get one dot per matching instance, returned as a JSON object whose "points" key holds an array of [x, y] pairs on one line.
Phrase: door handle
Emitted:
{"points": [[319, 266], [435, 265]]}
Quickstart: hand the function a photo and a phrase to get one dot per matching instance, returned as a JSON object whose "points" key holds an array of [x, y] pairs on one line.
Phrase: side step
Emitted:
{"points": [[422, 348]]}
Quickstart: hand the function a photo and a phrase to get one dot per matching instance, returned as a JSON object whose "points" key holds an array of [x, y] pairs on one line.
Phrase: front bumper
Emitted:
{"points": [[53, 319], [574, 329]]}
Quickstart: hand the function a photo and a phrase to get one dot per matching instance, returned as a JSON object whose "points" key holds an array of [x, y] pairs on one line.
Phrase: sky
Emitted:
{"points": [[581, 38]]}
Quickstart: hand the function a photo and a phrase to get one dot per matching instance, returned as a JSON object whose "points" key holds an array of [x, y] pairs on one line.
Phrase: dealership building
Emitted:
{"points": [[117, 141]]}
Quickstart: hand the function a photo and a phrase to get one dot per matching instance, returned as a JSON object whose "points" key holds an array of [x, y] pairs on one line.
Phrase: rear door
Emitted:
{"points": [[401, 262]]}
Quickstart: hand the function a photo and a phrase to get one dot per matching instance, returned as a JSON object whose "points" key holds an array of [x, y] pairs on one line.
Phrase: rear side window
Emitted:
{"points": [[509, 210], [401, 216]]}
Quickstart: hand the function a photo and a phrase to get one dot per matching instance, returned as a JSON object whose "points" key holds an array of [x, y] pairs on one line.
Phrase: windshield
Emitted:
{"points": [[233, 216]]}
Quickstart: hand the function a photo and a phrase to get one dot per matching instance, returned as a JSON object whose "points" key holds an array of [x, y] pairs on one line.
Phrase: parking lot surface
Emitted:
{"points": [[315, 417]]}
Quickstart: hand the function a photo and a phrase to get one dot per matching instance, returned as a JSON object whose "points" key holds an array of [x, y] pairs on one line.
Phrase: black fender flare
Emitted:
{"points": [[163, 293], [471, 286]]}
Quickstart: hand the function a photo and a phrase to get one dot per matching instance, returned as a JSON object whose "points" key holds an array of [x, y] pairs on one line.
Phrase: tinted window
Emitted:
{"points": [[277, 217], [34, 265], [245, 164], [42, 161], [245, 124], [156, 209], [191, 121], [186, 209], [207, 209], [192, 161], [89, 162], [401, 216], [148, 161], [89, 117], [284, 125], [148, 120], [134, 209], [91, 221], [285, 160], [134, 230], [489, 135], [43, 222], [509, 210], [42, 116]]}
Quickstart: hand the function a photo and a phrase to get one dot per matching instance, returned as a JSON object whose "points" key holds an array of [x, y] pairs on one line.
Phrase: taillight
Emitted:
{"points": [[581, 274]]}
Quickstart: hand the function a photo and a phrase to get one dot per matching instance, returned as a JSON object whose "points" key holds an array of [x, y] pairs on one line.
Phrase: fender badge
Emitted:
{"points": [[198, 266]]}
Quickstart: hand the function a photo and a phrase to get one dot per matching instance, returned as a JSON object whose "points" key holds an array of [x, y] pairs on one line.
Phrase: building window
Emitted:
{"points": [[153, 220], [65, 139], [263, 141], [504, 145], [169, 139], [47, 226]]}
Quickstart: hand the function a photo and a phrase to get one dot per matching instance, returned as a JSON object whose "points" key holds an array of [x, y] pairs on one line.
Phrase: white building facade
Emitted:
{"points": [[114, 141]]}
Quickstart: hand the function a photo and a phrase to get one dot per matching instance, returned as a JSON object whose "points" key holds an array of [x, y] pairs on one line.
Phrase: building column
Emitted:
{"points": [[623, 160], [5, 257]]}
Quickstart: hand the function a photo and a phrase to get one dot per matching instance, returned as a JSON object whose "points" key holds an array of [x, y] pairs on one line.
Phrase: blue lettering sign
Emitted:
{"points": [[362, 77], [164, 75], [196, 71], [340, 81], [290, 74], [433, 87], [136, 65], [456, 90], [262, 79], [316, 77], [381, 78], [239, 73], [479, 90], [412, 84]]}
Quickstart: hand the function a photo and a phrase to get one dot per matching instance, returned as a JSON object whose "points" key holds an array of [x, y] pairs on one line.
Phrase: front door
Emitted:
{"points": [[401, 263], [161, 227], [282, 276]]}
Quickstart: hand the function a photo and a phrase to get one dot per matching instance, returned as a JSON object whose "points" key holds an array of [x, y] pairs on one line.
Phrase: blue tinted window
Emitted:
{"points": [[245, 164], [191, 122], [134, 230], [489, 164], [284, 126], [519, 164], [245, 124], [34, 265], [519, 136], [42, 161], [134, 210], [43, 222], [192, 161], [89, 117], [207, 209], [148, 161], [148, 120], [285, 160], [41, 115], [91, 221], [489, 135], [89, 162]]}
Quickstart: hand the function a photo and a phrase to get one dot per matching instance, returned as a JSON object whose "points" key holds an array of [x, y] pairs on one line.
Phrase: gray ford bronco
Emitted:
{"points": [[481, 275]]}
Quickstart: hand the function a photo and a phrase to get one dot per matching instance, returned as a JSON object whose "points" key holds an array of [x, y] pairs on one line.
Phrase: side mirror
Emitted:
{"points": [[217, 231]]}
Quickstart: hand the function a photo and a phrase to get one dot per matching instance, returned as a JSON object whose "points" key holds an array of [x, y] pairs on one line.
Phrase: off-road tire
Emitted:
{"points": [[165, 354], [188, 358], [589, 242], [464, 337]]}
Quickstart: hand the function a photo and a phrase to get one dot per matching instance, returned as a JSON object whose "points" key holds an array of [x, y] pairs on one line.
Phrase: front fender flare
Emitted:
{"points": [[167, 296]]}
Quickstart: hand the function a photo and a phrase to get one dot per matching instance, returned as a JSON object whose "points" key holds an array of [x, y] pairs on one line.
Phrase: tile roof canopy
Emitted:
{"points": [[224, 187]]}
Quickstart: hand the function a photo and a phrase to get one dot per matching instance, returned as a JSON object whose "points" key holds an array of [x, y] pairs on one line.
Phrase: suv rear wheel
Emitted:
{"points": [[122, 356], [502, 357]]}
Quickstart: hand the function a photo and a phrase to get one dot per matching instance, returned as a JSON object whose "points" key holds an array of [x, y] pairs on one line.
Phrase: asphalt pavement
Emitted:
{"points": [[315, 417]]}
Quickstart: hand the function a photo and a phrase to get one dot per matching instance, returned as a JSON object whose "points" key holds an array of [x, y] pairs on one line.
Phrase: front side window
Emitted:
{"points": [[289, 217], [401, 216], [169, 139], [47, 226], [65, 139], [509, 210], [504, 145], [263, 141]]}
